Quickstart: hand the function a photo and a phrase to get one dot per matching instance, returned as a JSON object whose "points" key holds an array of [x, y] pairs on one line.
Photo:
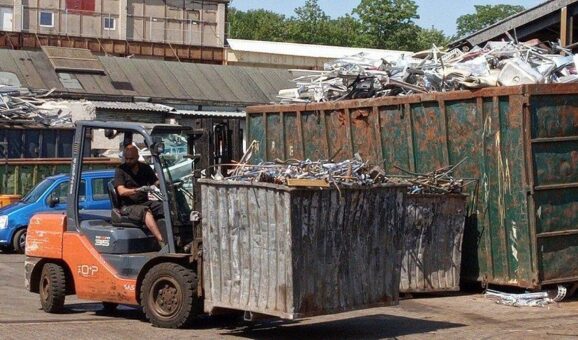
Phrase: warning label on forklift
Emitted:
{"points": [[103, 241]]}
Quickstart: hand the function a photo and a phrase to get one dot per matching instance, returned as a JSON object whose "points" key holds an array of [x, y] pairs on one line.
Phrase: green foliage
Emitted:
{"points": [[484, 16], [257, 25], [310, 26], [383, 24], [428, 37], [387, 23]]}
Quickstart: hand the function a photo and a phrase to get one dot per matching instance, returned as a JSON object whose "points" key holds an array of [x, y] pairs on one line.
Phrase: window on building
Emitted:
{"points": [[46, 19], [109, 23]]}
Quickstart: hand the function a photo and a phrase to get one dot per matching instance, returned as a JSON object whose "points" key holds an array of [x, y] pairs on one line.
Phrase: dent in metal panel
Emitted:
{"points": [[366, 136]]}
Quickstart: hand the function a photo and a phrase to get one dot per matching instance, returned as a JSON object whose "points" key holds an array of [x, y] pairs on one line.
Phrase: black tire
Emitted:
{"points": [[52, 288], [109, 307], [19, 241], [168, 295]]}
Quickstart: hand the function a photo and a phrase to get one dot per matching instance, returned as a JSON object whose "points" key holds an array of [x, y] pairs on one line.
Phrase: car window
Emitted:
{"points": [[61, 191], [99, 189]]}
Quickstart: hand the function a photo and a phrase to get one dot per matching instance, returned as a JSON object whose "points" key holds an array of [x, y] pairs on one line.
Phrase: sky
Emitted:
{"points": [[441, 14]]}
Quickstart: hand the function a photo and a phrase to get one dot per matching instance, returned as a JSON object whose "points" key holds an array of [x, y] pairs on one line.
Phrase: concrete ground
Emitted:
{"points": [[463, 316]]}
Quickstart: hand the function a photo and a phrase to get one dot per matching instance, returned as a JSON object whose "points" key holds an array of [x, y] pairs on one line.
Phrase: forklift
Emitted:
{"points": [[105, 257]]}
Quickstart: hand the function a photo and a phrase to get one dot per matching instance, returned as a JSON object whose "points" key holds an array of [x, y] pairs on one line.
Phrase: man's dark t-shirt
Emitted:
{"points": [[124, 176]]}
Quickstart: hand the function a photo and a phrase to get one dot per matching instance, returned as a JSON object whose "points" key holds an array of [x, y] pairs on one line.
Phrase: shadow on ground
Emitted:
{"points": [[367, 327], [125, 312]]}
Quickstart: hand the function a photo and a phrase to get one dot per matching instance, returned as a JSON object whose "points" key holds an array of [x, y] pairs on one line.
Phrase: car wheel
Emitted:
{"points": [[52, 288], [168, 295], [19, 241]]}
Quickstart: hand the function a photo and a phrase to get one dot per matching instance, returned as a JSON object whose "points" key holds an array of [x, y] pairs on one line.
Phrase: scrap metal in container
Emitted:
{"points": [[316, 173], [496, 64]]}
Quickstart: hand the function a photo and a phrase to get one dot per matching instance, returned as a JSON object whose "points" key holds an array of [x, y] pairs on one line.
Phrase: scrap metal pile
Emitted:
{"points": [[496, 64], [440, 181], [20, 106], [310, 173]]}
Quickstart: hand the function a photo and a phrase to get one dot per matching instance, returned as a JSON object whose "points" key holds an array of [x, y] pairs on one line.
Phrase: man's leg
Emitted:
{"points": [[151, 223], [154, 211]]}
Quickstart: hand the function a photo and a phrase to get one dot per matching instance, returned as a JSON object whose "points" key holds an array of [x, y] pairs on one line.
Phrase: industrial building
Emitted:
{"points": [[191, 30]]}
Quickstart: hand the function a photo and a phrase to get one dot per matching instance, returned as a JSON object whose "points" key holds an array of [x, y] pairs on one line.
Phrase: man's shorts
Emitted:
{"points": [[137, 212]]}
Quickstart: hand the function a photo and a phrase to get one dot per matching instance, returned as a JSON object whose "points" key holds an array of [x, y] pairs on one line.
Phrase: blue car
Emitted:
{"points": [[51, 195]]}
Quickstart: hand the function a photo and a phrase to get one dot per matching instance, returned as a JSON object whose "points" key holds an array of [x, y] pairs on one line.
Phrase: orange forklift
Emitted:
{"points": [[104, 257]]}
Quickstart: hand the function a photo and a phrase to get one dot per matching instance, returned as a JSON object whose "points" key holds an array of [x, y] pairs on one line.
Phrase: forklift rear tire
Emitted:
{"points": [[168, 295], [52, 288]]}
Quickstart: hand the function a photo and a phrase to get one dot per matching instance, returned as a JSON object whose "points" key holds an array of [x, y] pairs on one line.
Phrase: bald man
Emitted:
{"points": [[128, 178]]}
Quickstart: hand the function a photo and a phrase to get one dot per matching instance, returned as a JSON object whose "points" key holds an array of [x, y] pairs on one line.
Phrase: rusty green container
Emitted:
{"points": [[521, 143], [18, 176]]}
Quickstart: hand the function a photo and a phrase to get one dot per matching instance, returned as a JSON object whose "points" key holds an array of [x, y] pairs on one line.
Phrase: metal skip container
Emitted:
{"points": [[299, 252], [520, 143], [434, 229]]}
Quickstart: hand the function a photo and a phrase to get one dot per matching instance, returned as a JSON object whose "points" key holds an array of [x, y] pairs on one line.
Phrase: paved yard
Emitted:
{"points": [[461, 316]]}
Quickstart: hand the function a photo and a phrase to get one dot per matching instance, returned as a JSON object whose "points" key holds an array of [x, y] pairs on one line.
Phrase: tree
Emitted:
{"points": [[484, 16], [344, 31], [257, 25], [311, 24], [428, 37], [387, 23]]}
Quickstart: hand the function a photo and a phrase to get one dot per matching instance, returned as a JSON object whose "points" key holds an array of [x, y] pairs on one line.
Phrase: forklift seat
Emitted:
{"points": [[118, 220]]}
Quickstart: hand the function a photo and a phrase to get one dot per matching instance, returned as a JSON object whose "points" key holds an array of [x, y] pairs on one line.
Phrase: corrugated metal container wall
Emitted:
{"points": [[434, 228], [292, 252], [32, 142], [520, 142], [18, 176]]}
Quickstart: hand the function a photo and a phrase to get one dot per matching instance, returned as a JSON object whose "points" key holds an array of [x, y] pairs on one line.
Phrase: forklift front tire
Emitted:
{"points": [[168, 295], [52, 288]]}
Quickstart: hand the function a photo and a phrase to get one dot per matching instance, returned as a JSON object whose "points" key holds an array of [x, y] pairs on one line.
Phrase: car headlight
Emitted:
{"points": [[3, 221]]}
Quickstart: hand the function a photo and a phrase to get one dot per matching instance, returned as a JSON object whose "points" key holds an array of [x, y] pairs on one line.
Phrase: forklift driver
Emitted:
{"points": [[132, 181]]}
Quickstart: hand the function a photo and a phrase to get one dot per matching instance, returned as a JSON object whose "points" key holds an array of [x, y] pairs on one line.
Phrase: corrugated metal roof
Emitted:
{"points": [[132, 106], [162, 81], [305, 50], [220, 114], [514, 22]]}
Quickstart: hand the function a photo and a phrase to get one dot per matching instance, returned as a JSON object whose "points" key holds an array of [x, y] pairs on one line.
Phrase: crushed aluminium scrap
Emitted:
{"points": [[496, 64], [20, 106], [342, 174]]}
